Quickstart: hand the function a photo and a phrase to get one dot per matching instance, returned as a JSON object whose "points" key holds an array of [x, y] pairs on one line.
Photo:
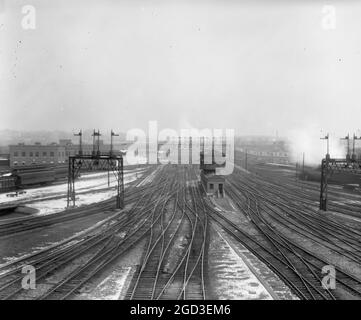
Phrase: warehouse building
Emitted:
{"points": [[53, 154], [36, 154]]}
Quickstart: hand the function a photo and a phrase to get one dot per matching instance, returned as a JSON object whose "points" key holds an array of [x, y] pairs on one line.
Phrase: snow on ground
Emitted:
{"points": [[232, 278], [56, 205], [111, 287], [279, 164], [87, 191], [240, 168], [73, 239], [346, 201], [150, 178]]}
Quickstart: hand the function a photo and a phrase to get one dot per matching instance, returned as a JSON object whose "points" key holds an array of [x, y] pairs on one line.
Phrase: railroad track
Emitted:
{"points": [[163, 275], [170, 215], [106, 240], [308, 192], [290, 212], [163, 211], [15, 225], [298, 267]]}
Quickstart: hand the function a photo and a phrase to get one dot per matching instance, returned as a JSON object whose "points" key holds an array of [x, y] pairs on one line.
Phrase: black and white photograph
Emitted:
{"points": [[180, 151]]}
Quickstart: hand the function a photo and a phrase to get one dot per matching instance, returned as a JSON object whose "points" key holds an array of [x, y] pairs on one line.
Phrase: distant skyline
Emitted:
{"points": [[257, 68]]}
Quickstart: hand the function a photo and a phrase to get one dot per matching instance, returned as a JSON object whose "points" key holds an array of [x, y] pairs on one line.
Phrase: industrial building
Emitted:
{"points": [[52, 154], [36, 154]]}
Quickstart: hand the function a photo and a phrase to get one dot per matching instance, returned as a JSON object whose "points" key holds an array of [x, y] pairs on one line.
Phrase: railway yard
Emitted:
{"points": [[265, 239]]}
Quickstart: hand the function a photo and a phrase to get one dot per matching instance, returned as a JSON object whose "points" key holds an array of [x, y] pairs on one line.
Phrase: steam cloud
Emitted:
{"points": [[308, 140]]}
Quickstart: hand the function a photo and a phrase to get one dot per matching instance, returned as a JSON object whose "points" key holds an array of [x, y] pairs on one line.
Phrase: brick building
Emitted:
{"points": [[53, 154], [36, 154]]}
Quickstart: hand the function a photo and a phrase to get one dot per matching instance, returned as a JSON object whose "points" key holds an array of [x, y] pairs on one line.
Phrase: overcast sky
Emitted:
{"points": [[256, 68]]}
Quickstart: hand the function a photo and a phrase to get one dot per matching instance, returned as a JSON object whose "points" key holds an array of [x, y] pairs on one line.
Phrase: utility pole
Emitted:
{"points": [[213, 150], [80, 134], [348, 147], [324, 176], [245, 163], [303, 169], [303, 164]]}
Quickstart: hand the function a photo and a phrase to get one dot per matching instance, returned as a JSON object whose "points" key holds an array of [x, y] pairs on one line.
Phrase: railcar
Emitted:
{"points": [[34, 177]]}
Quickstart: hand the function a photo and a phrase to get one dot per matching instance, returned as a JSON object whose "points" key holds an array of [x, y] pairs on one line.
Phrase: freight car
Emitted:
{"points": [[345, 179], [61, 172], [34, 177]]}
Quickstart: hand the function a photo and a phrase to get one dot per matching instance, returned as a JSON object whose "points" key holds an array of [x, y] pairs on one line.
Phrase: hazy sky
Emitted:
{"points": [[256, 68]]}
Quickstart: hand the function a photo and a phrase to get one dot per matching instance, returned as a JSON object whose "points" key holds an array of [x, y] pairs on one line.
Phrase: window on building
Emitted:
{"points": [[44, 154], [51, 154], [23, 154], [211, 186], [36, 154], [30, 154], [16, 154]]}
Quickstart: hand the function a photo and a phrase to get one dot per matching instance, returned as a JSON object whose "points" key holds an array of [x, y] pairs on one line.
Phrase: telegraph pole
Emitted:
{"points": [[324, 176], [303, 169], [303, 164], [245, 163]]}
